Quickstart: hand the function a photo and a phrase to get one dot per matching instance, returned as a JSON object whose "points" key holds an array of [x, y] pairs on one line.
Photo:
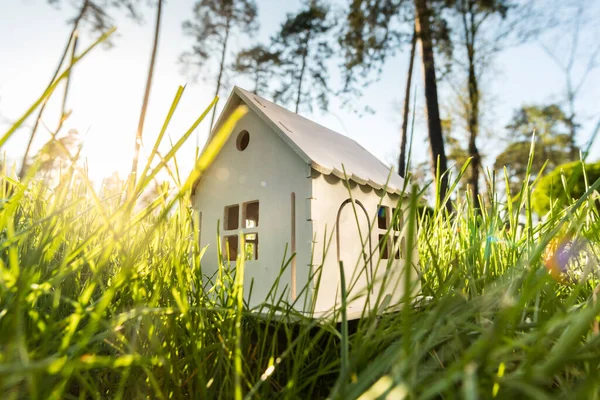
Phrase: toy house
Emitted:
{"points": [[280, 182]]}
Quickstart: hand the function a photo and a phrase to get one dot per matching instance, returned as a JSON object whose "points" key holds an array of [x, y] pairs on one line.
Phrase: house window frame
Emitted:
{"points": [[227, 253], [245, 213], [227, 218], [390, 235], [241, 231]]}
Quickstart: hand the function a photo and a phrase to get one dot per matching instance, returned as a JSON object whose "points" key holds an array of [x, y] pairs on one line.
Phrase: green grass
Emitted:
{"points": [[102, 298]]}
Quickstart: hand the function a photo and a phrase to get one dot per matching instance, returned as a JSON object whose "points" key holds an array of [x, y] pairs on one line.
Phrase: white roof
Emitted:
{"points": [[326, 151]]}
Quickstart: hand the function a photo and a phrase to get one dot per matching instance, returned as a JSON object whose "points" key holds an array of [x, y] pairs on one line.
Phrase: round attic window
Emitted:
{"points": [[242, 140]]}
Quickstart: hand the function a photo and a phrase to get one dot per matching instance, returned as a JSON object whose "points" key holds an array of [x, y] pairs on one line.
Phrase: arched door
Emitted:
{"points": [[353, 246]]}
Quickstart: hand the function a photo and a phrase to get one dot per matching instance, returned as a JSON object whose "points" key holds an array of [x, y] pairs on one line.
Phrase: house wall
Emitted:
{"points": [[329, 192], [267, 171]]}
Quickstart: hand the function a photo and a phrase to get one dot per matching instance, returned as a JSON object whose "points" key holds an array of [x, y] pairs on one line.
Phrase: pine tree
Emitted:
{"points": [[141, 120], [479, 28], [552, 143], [437, 152], [377, 29], [304, 43], [95, 16], [214, 25], [260, 64]]}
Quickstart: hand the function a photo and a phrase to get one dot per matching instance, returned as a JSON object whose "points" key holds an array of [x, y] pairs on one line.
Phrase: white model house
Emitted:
{"points": [[280, 183]]}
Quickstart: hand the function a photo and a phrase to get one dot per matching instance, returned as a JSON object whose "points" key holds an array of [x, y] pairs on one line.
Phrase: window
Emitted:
{"points": [[231, 222], [398, 222], [251, 214], [230, 247], [384, 247], [242, 141], [399, 242], [232, 216], [382, 217], [251, 246], [402, 249], [395, 220], [399, 246]]}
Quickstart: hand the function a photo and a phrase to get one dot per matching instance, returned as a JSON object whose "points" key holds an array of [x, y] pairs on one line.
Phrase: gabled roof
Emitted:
{"points": [[326, 151]]}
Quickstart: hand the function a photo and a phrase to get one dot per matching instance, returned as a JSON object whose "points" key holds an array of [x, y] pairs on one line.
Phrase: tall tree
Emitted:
{"points": [[406, 108], [577, 22], [457, 153], [438, 160], [481, 29], [259, 63], [140, 128], [213, 25], [376, 29], [472, 17], [95, 17], [304, 43], [373, 31], [551, 126]]}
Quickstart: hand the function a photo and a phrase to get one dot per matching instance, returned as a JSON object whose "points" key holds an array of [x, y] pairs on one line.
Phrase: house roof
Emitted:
{"points": [[326, 151]]}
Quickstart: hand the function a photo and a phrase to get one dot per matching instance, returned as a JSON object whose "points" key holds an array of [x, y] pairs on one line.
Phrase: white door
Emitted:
{"points": [[353, 249]]}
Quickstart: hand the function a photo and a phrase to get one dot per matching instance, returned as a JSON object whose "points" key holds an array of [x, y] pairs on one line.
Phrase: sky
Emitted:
{"points": [[107, 87]]}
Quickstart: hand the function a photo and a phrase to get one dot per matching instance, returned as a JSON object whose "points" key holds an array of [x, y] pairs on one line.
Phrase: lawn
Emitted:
{"points": [[103, 296]]}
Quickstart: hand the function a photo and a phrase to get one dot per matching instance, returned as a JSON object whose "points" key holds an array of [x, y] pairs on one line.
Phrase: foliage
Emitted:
{"points": [[260, 64], [213, 25], [456, 152], [551, 147], [374, 31], [304, 44], [567, 183], [569, 45], [98, 299], [371, 33], [95, 304], [213, 21], [472, 18], [95, 14]]}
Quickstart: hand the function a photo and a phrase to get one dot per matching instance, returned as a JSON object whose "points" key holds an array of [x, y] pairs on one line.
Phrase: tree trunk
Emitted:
{"points": [[256, 82], [220, 76], [72, 36], [473, 125], [572, 127], [473, 108], [138, 136], [405, 115], [304, 56], [63, 107], [434, 125], [300, 79], [302, 69]]}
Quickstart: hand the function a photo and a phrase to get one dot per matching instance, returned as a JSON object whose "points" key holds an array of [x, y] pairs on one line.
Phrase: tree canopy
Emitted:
{"points": [[566, 183], [260, 64], [549, 127], [305, 46]]}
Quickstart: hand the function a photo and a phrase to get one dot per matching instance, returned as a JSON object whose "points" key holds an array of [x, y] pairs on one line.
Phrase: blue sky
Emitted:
{"points": [[107, 87]]}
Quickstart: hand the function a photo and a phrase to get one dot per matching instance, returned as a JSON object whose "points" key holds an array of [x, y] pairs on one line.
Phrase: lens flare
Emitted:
{"points": [[562, 257]]}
